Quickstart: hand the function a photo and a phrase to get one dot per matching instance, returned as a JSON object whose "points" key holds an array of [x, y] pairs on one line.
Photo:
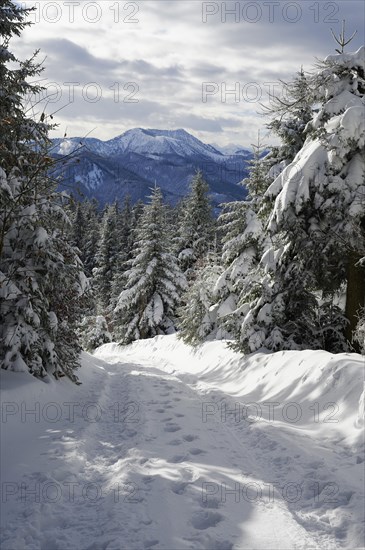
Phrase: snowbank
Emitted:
{"points": [[316, 390], [305, 412], [186, 420]]}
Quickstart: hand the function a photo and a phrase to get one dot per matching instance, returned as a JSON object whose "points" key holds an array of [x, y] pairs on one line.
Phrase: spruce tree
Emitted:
{"points": [[124, 235], [198, 315], [317, 224], [154, 285], [196, 232], [242, 226], [85, 231], [106, 258], [41, 276], [94, 332], [92, 221], [359, 335], [290, 114]]}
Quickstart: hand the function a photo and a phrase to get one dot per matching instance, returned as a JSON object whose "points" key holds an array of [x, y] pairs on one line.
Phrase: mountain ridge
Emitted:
{"points": [[138, 158]]}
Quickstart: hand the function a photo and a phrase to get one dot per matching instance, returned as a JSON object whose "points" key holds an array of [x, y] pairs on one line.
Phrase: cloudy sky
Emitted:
{"points": [[202, 66]]}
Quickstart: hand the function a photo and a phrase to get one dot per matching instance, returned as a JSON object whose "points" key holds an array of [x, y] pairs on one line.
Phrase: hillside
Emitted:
{"points": [[131, 163]]}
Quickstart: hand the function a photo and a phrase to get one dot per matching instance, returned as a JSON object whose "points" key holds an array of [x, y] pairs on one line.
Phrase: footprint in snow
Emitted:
{"points": [[203, 519], [211, 503], [178, 487], [179, 415], [175, 442], [315, 464], [160, 410], [150, 543], [196, 451], [189, 437], [172, 428]]}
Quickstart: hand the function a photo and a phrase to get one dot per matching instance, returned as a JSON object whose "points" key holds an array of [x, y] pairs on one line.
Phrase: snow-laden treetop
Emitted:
{"points": [[331, 161]]}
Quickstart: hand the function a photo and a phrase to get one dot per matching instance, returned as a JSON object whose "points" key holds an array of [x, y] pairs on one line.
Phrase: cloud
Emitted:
{"points": [[78, 56], [162, 51]]}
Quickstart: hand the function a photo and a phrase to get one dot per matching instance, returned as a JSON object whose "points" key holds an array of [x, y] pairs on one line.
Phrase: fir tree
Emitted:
{"points": [[147, 306], [85, 232], [106, 258], [290, 114], [198, 315], [41, 276], [317, 224], [94, 332], [196, 231], [242, 225], [359, 335], [124, 235], [92, 221]]}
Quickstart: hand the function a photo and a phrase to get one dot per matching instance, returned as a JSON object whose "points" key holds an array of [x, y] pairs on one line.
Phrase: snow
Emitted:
{"points": [[328, 161], [164, 446], [148, 142], [349, 59], [295, 179], [41, 237], [94, 178], [232, 149]]}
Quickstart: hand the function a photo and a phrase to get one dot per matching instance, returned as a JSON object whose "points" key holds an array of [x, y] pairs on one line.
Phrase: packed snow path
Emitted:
{"points": [[159, 468]]}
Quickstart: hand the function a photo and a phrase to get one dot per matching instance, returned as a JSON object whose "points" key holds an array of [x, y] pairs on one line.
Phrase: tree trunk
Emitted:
{"points": [[355, 295]]}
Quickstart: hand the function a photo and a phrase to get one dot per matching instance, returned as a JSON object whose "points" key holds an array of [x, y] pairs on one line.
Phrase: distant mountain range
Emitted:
{"points": [[130, 164]]}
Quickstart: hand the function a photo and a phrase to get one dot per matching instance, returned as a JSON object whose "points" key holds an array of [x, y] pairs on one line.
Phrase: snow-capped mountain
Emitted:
{"points": [[161, 142], [143, 142], [232, 149], [137, 159]]}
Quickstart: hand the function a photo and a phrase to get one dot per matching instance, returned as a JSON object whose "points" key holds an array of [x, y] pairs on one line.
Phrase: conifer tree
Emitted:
{"points": [[290, 114], [106, 258], [124, 235], [196, 232], [41, 276], [317, 224], [94, 332], [242, 225], [85, 232], [154, 285], [198, 315]]}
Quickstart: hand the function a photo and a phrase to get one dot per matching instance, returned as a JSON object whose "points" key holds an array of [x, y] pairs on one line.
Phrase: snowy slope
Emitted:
{"points": [[153, 458], [232, 149], [130, 164], [144, 142], [161, 142]]}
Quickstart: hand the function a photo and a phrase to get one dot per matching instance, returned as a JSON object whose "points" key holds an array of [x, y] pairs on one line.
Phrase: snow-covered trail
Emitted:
{"points": [[146, 464]]}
